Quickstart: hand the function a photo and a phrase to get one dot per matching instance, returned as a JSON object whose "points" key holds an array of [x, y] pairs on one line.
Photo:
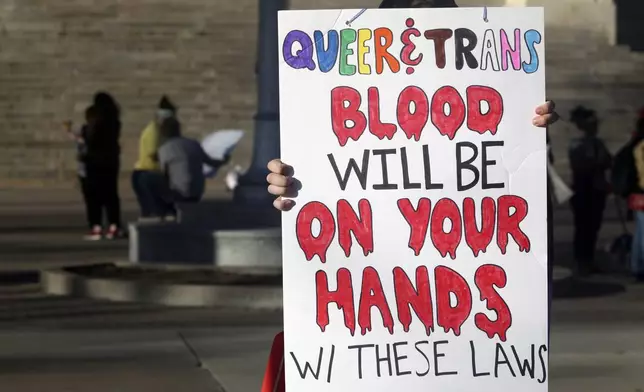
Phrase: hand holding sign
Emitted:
{"points": [[423, 216]]}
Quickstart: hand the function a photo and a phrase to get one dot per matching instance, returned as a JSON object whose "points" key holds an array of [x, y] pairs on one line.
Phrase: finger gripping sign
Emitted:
{"points": [[415, 258]]}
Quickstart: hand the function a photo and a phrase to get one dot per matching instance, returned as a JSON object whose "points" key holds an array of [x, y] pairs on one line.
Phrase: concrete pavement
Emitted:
{"points": [[597, 346], [64, 344], [72, 344]]}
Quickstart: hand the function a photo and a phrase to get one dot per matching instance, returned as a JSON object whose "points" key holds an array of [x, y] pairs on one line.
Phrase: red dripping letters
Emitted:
{"points": [[447, 111], [453, 302], [342, 297], [361, 227], [493, 213], [348, 222], [414, 303], [418, 220], [450, 282], [478, 240], [446, 242], [419, 299], [486, 277], [313, 245], [478, 121], [509, 222], [372, 295], [341, 114]]}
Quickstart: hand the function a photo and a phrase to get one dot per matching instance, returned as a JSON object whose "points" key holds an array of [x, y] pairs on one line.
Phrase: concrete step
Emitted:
{"points": [[180, 244], [223, 214], [210, 232]]}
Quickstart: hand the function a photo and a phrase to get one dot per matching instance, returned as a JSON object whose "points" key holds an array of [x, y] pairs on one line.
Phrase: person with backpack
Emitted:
{"points": [[589, 160], [636, 200]]}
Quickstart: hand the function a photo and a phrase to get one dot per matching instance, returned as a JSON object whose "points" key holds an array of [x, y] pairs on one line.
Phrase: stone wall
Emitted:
{"points": [[54, 54]]}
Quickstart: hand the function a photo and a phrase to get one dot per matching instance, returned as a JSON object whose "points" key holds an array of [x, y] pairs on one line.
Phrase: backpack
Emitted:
{"points": [[623, 173]]}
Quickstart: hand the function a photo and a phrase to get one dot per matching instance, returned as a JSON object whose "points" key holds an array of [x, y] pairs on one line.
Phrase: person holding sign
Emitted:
{"points": [[396, 124], [280, 180], [590, 162]]}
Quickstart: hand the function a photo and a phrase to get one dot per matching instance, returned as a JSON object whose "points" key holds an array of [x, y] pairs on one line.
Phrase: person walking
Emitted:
{"points": [[590, 161], [102, 164], [147, 177], [636, 202]]}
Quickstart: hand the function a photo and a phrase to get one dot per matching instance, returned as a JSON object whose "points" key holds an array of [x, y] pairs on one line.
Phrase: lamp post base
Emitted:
{"points": [[253, 194], [251, 189]]}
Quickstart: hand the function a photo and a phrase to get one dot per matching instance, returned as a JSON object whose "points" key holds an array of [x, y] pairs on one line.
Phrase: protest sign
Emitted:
{"points": [[415, 258]]}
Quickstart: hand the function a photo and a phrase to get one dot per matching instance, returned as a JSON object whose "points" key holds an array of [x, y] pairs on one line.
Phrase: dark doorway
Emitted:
{"points": [[630, 23]]}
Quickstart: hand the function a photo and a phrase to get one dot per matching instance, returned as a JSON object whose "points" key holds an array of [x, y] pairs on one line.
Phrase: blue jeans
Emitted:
{"points": [[637, 249], [151, 189]]}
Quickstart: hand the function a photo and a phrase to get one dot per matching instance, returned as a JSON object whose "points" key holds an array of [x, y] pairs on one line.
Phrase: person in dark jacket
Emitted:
{"points": [[102, 164], [636, 201], [590, 161]]}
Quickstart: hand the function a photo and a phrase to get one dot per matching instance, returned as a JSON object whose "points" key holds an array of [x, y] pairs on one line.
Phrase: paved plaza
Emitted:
{"points": [[62, 344]]}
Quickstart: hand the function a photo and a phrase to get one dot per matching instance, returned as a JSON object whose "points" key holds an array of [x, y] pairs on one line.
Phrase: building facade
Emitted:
{"points": [[55, 54]]}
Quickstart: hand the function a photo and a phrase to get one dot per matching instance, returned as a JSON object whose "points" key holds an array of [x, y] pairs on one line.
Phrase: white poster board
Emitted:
{"points": [[415, 258]]}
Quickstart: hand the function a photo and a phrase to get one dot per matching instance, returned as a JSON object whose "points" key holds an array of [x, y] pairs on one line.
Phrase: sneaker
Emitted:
{"points": [[114, 232], [95, 234]]}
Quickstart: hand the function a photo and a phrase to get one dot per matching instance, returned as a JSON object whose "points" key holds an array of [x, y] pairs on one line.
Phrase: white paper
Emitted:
{"points": [[218, 145], [561, 191], [515, 156]]}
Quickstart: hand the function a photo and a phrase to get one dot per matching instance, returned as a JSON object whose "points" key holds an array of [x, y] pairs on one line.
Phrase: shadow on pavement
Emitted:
{"points": [[578, 288], [19, 278]]}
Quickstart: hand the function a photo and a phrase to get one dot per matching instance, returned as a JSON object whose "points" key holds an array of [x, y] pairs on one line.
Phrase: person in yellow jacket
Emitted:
{"points": [[147, 177]]}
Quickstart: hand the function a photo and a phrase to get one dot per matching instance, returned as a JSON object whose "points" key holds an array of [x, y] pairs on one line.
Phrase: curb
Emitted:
{"points": [[561, 273], [64, 283], [251, 297]]}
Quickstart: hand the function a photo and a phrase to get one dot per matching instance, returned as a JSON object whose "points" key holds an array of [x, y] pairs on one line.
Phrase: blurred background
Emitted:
{"points": [[193, 302]]}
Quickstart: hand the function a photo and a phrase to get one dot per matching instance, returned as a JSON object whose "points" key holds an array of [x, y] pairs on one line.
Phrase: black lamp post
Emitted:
{"points": [[266, 145]]}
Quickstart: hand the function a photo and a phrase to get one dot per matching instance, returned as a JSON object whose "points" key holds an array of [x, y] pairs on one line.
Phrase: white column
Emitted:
{"points": [[266, 145]]}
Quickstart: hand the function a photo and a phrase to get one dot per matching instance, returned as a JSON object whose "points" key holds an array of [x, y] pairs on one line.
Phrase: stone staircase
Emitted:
{"points": [[582, 68], [55, 54]]}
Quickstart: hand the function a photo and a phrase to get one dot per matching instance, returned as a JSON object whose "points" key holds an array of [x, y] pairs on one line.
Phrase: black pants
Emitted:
{"points": [[100, 190], [150, 188], [86, 196], [588, 211]]}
